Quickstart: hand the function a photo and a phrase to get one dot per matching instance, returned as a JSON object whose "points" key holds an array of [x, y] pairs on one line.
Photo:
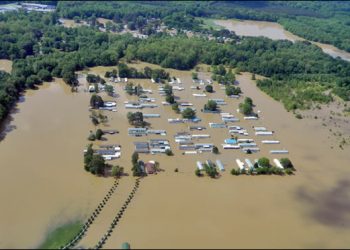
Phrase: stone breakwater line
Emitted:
{"points": [[91, 219], [115, 221]]}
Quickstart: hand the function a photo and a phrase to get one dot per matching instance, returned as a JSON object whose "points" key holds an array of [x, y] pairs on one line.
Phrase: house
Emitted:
{"points": [[182, 137], [156, 132], [186, 146], [150, 167]]}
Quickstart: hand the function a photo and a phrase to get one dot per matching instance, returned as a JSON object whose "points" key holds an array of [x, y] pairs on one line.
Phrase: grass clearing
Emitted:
{"points": [[61, 235]]}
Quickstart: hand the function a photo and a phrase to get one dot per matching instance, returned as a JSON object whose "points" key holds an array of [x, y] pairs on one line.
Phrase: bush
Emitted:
{"points": [[215, 150], [188, 113], [92, 137], [235, 172], [209, 88], [211, 105], [286, 163], [264, 162], [99, 134], [176, 170], [198, 172], [168, 152]]}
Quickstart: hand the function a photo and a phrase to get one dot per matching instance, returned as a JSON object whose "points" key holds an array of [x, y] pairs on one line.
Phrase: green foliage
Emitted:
{"points": [[168, 152], [215, 150], [134, 158], [264, 162], [197, 172], [117, 171], [194, 75], [235, 172], [209, 88], [211, 170], [246, 107], [188, 113], [211, 105], [109, 89], [92, 137], [175, 107], [99, 134], [286, 163], [232, 90], [96, 101], [136, 119], [91, 78]]}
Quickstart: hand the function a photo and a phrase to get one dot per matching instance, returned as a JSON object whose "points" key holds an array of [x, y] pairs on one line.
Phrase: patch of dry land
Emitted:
{"points": [[6, 65], [43, 182]]}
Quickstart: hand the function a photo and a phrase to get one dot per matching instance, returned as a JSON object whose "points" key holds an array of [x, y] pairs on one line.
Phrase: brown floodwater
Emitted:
{"points": [[47, 185], [275, 31], [6, 65]]}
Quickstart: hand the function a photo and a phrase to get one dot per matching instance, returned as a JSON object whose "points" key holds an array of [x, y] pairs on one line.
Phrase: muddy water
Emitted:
{"points": [[6, 65], [42, 182], [275, 31], [47, 184]]}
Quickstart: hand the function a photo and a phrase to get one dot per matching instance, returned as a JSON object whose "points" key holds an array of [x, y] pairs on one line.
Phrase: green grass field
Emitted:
{"points": [[208, 22], [61, 235]]}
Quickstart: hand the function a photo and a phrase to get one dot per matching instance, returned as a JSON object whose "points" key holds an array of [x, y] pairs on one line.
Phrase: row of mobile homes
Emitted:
{"points": [[176, 120], [244, 140], [238, 131], [178, 88], [247, 144], [185, 104], [133, 105], [230, 141], [146, 99], [230, 119], [234, 96]]}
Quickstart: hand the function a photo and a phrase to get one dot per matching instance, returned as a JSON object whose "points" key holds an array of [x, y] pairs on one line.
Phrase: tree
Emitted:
{"points": [[99, 134], [211, 105], [253, 76], [209, 88], [92, 137], [136, 119], [249, 101], [96, 101], [264, 162], [232, 90], [168, 152], [129, 88], [198, 172], [175, 107], [215, 150], [194, 75], [44, 75], [96, 165], [109, 89], [170, 99], [168, 89], [117, 171], [235, 172], [134, 158], [286, 163], [188, 113], [88, 156]]}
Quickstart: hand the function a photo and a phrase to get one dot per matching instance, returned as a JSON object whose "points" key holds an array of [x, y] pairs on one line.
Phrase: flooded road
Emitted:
{"points": [[275, 31], [43, 183]]}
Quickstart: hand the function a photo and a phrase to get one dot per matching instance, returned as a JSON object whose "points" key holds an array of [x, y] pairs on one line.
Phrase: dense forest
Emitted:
{"points": [[323, 21], [41, 49]]}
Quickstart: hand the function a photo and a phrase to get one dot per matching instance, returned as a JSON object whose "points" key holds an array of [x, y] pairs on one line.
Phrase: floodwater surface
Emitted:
{"points": [[43, 182], [275, 31]]}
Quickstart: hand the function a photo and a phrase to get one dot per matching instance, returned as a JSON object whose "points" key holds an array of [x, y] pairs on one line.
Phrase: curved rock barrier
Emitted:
{"points": [[91, 219], [119, 215]]}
